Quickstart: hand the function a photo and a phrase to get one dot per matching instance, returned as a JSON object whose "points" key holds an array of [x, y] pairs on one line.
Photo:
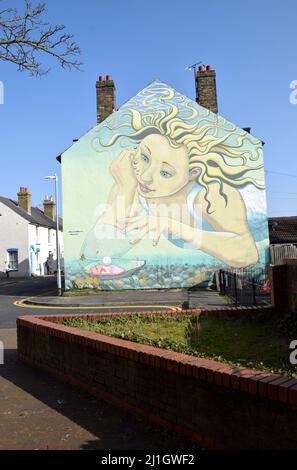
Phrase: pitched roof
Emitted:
{"points": [[148, 89], [282, 229], [37, 217]]}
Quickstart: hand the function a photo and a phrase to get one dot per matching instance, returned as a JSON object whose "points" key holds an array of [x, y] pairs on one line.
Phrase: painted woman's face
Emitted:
{"points": [[160, 169]]}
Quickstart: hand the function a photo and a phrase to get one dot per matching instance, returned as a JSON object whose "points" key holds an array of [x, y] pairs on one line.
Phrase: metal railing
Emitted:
{"points": [[250, 288]]}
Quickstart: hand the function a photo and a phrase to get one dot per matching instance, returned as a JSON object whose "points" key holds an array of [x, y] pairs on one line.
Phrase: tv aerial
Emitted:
{"points": [[194, 68]]}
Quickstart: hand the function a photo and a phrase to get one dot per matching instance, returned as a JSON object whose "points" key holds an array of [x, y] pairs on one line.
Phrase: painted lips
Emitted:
{"points": [[145, 189]]}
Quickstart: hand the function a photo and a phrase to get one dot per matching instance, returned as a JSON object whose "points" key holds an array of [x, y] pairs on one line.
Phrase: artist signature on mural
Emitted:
{"points": [[75, 232]]}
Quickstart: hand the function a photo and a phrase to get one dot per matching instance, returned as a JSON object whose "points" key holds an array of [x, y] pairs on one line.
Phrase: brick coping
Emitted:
{"points": [[254, 382]]}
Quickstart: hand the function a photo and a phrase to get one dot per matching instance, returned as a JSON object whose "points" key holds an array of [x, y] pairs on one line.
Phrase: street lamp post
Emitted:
{"points": [[59, 282]]}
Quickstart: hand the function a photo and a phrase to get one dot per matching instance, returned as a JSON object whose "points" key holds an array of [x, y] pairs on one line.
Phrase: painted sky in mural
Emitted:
{"points": [[161, 194]]}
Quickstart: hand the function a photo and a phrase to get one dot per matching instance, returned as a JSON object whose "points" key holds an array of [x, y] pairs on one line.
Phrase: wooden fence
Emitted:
{"points": [[279, 252]]}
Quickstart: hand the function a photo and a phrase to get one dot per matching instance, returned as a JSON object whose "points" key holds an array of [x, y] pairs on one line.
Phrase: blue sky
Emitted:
{"points": [[252, 46]]}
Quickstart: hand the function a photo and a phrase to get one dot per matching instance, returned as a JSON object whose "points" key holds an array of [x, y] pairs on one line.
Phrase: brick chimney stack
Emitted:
{"points": [[24, 199], [206, 89], [105, 89], [49, 207]]}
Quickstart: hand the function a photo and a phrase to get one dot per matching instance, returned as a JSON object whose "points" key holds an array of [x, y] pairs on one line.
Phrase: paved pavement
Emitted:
{"points": [[42, 292], [200, 298], [38, 412]]}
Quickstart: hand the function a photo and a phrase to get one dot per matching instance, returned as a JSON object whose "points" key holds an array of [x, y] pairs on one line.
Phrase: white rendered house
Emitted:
{"points": [[28, 237]]}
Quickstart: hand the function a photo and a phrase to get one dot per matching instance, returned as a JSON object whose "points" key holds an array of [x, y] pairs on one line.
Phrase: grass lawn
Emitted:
{"points": [[253, 342]]}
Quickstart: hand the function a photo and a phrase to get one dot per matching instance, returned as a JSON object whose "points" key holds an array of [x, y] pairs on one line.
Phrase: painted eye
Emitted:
{"points": [[145, 158], [165, 174]]}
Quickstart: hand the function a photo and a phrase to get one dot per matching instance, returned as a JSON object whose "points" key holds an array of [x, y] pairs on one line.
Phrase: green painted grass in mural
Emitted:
{"points": [[252, 342]]}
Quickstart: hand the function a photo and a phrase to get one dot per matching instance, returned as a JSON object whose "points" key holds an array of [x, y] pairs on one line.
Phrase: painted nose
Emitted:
{"points": [[147, 176]]}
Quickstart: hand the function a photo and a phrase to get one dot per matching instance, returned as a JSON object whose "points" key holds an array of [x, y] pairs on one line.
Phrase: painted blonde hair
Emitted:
{"points": [[221, 151]]}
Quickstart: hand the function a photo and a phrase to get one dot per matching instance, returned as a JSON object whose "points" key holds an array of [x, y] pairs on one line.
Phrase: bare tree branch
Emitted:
{"points": [[25, 37]]}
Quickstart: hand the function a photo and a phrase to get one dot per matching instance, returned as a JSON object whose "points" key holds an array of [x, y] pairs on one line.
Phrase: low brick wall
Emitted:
{"points": [[284, 285], [214, 404]]}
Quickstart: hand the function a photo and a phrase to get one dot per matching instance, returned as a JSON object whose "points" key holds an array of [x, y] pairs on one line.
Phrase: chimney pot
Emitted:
{"points": [[105, 90], [24, 199], [49, 207], [206, 89], [101, 78]]}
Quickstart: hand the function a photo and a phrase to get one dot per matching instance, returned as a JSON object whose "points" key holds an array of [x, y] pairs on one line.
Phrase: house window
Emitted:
{"points": [[49, 236], [13, 259]]}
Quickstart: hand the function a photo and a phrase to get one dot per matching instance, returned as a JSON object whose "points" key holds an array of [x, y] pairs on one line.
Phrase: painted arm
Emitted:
{"points": [[236, 249], [231, 242], [122, 194], [232, 238]]}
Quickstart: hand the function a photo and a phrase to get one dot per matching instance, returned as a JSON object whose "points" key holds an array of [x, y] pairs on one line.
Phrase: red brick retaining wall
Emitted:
{"points": [[214, 404], [284, 285]]}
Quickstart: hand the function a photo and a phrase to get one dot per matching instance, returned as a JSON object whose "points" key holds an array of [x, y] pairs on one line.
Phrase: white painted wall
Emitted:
{"points": [[13, 234], [52, 247], [42, 242], [33, 243]]}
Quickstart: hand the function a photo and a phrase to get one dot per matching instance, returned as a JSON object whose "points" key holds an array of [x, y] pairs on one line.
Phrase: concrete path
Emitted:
{"points": [[38, 412]]}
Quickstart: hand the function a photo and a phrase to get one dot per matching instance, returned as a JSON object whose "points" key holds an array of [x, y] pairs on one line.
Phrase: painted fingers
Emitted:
{"points": [[145, 225]]}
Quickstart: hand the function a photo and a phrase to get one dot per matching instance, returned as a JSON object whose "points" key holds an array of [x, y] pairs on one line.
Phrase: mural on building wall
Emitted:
{"points": [[174, 192]]}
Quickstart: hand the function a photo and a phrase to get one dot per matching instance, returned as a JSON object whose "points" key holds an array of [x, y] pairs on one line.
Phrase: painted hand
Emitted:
{"points": [[122, 170], [147, 226]]}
